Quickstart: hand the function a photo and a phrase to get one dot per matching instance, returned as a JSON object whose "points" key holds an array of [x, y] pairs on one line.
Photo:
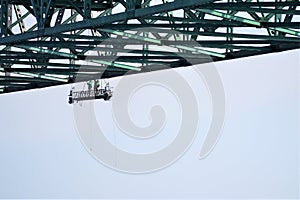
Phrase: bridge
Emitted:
{"points": [[52, 42]]}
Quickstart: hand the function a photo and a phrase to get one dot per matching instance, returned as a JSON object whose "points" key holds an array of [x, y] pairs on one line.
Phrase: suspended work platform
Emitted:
{"points": [[91, 93]]}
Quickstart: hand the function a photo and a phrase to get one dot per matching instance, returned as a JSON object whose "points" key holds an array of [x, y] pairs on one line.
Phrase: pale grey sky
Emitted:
{"points": [[257, 155]]}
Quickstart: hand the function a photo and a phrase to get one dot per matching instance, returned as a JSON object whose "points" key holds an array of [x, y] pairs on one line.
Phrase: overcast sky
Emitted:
{"points": [[257, 155]]}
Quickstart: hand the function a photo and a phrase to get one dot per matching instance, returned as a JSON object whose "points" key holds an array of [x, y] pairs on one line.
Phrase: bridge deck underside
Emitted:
{"points": [[53, 42]]}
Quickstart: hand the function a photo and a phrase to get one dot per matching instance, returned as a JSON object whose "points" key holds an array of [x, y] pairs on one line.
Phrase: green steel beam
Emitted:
{"points": [[255, 10], [65, 72], [93, 41], [177, 44], [247, 21], [41, 50], [41, 76], [19, 79], [114, 64], [206, 52], [133, 36], [231, 17], [234, 35], [12, 85], [249, 4]]}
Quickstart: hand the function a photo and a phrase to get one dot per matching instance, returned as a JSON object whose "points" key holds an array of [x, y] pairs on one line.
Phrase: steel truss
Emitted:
{"points": [[49, 42]]}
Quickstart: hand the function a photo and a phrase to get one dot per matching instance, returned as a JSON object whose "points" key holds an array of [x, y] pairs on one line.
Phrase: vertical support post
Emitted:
{"points": [[87, 8], [138, 4], [72, 62], [107, 53], [184, 37], [42, 9], [229, 30], [37, 12], [133, 4], [21, 24], [9, 16], [4, 17], [277, 18], [48, 11], [145, 45]]}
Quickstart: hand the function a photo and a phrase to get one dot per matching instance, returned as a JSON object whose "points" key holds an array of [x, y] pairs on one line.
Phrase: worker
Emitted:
{"points": [[107, 87], [97, 85], [89, 84]]}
